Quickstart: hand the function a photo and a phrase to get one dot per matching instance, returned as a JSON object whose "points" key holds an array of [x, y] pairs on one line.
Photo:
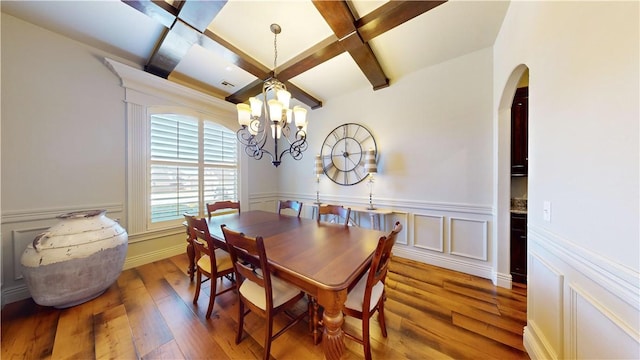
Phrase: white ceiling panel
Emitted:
{"points": [[337, 76], [447, 31], [245, 24], [213, 70], [108, 25]]}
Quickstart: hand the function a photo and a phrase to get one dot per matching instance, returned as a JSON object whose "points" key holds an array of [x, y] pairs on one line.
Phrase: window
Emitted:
{"points": [[192, 162]]}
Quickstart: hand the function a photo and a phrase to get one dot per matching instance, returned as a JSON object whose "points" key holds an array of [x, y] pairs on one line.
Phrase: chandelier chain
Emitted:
{"points": [[275, 52]]}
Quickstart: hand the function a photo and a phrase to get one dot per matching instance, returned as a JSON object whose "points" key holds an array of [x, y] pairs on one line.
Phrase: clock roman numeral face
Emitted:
{"points": [[343, 153]]}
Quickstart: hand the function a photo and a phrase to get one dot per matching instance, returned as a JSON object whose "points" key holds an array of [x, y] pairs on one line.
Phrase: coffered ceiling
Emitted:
{"points": [[226, 48]]}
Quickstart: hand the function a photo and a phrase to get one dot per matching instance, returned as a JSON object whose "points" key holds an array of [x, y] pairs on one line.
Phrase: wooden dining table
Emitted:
{"points": [[322, 259]]}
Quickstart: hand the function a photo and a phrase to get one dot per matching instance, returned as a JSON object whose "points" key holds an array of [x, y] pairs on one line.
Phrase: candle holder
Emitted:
{"points": [[371, 168]]}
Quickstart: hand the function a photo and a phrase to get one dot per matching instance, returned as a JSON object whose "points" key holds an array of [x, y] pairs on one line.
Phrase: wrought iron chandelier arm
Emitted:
{"points": [[252, 147], [297, 146]]}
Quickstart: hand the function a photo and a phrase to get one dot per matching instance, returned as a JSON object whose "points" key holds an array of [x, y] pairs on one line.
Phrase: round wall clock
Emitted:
{"points": [[343, 152]]}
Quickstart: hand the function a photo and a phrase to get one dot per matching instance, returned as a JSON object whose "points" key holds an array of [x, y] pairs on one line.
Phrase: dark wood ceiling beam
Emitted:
{"points": [[199, 14], [224, 49], [339, 17], [302, 96], [365, 59], [193, 17], [316, 55], [255, 88], [158, 10], [390, 15], [246, 92], [173, 47]]}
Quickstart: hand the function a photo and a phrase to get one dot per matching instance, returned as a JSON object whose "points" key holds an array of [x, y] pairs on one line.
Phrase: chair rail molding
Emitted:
{"points": [[619, 280], [9, 217]]}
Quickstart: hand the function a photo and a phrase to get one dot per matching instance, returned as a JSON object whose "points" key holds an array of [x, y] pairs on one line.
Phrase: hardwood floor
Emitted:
{"points": [[148, 313]]}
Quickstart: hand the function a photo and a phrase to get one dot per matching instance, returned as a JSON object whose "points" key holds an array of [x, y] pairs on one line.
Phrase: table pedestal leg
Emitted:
{"points": [[332, 318]]}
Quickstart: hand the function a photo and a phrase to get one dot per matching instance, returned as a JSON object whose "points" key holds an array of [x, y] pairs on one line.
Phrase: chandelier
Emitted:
{"points": [[255, 128]]}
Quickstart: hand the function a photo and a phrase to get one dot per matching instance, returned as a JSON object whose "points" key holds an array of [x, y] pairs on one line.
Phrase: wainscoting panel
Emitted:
{"points": [[264, 202], [468, 238], [450, 235], [580, 304], [21, 239], [587, 339], [428, 232], [544, 306], [403, 218]]}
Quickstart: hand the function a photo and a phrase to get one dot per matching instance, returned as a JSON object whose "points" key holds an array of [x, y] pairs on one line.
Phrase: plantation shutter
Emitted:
{"points": [[220, 164], [176, 166]]}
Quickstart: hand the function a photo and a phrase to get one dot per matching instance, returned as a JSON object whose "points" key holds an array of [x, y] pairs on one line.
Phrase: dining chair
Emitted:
{"points": [[339, 212], [295, 206], [210, 261], [221, 205], [368, 295], [258, 290]]}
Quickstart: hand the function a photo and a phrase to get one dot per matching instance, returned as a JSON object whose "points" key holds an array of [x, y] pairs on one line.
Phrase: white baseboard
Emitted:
{"points": [[533, 347], [14, 294], [483, 271], [134, 261], [502, 280]]}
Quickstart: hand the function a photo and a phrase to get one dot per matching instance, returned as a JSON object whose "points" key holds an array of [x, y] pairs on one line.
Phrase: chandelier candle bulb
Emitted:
{"points": [[300, 115], [244, 114], [289, 115], [284, 97], [275, 110], [256, 107], [276, 131]]}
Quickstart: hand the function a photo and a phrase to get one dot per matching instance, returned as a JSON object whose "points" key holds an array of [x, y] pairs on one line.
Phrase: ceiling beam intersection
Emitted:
{"points": [[343, 23]]}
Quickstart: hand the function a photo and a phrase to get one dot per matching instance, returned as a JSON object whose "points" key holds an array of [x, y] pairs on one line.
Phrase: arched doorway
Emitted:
{"points": [[503, 178]]}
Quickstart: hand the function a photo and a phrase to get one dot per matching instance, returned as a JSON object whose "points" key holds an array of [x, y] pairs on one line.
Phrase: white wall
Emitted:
{"points": [[433, 130], [64, 124], [584, 95], [63, 135]]}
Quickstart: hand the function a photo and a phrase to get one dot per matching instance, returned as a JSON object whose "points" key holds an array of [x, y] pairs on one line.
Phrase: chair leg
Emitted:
{"points": [[383, 325], [314, 319], [267, 337], [240, 320], [310, 313], [212, 296], [366, 340], [198, 284]]}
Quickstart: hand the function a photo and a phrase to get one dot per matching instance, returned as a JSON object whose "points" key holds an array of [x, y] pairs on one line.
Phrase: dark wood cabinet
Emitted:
{"points": [[519, 247], [519, 132]]}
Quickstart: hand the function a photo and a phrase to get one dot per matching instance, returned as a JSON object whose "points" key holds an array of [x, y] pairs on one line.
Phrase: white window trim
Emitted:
{"points": [[144, 94]]}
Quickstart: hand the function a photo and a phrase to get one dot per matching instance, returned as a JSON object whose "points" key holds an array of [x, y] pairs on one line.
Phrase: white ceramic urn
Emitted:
{"points": [[75, 260]]}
